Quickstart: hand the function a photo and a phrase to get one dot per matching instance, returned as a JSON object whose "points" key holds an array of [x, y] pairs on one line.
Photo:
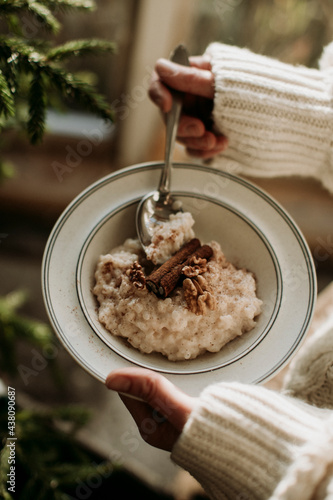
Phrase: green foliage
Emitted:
{"points": [[11, 10], [14, 327], [49, 460], [32, 69], [77, 48], [50, 464], [7, 107]]}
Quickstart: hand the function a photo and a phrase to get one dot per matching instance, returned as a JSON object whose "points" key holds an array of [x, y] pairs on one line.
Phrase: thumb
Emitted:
{"points": [[189, 79], [154, 389]]}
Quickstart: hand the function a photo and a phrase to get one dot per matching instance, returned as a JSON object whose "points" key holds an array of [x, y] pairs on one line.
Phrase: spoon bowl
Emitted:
{"points": [[154, 209], [157, 206]]}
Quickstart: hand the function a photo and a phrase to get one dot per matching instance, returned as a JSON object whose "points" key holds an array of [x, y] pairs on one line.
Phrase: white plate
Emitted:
{"points": [[254, 232]]}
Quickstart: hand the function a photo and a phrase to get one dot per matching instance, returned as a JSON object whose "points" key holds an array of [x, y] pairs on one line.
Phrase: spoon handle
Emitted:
{"points": [[178, 56]]}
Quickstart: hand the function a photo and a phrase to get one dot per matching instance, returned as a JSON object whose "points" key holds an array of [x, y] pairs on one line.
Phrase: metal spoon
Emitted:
{"points": [[157, 206]]}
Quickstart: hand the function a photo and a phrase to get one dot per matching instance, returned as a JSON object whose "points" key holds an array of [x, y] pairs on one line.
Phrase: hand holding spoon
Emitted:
{"points": [[157, 206]]}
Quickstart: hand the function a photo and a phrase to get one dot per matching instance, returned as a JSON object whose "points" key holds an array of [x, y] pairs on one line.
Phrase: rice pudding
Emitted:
{"points": [[168, 237], [209, 306]]}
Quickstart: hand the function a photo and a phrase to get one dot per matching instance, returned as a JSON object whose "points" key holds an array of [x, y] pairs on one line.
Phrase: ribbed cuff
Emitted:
{"points": [[278, 117], [310, 375], [240, 440]]}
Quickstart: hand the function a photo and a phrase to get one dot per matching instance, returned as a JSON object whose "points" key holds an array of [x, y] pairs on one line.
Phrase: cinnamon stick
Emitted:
{"points": [[169, 281], [153, 280]]}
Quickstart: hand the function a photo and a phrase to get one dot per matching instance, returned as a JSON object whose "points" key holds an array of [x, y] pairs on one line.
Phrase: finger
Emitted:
{"points": [[138, 409], [190, 126], [221, 145], [155, 429], [159, 93], [202, 62], [141, 411], [156, 390], [205, 154], [207, 142], [191, 79]]}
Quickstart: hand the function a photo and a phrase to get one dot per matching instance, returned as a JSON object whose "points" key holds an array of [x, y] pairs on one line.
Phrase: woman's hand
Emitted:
{"points": [[197, 82], [162, 410]]}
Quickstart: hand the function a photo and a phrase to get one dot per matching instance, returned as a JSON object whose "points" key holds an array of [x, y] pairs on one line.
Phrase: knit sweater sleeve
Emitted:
{"points": [[278, 117], [247, 442]]}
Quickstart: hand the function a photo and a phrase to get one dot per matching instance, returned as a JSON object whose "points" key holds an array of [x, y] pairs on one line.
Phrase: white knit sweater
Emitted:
{"points": [[247, 442], [278, 117]]}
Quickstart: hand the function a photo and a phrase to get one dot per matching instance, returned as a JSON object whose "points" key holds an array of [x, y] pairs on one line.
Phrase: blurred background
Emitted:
{"points": [[34, 193]]}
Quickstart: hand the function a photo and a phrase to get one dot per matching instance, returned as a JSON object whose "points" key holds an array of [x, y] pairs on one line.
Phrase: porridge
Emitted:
{"points": [[195, 302], [170, 236]]}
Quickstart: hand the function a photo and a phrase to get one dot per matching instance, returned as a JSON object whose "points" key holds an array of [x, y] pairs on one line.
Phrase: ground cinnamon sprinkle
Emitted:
{"points": [[221, 304]]}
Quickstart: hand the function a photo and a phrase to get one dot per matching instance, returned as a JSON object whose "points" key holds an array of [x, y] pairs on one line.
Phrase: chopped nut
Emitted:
{"points": [[190, 294], [206, 300], [202, 282], [136, 275], [197, 297], [195, 267]]}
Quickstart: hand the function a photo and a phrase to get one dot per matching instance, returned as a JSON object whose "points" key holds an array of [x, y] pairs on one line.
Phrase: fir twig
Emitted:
{"points": [[29, 68], [50, 460], [44, 16], [75, 415], [7, 106], [4, 470], [71, 87], [66, 472], [71, 4], [37, 109], [79, 48], [14, 327], [29, 61], [39, 10]]}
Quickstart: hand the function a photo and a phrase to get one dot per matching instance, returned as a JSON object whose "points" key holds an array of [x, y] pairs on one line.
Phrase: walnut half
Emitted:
{"points": [[136, 275], [195, 267], [197, 297]]}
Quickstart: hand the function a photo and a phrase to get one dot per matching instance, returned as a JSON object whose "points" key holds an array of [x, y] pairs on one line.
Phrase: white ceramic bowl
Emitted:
{"points": [[254, 232]]}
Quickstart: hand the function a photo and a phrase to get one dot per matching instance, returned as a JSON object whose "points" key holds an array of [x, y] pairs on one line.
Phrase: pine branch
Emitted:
{"points": [[8, 7], [4, 470], [28, 60], [40, 11], [76, 415], [7, 106], [13, 49], [14, 24], [71, 87], [37, 109], [50, 460], [13, 10], [67, 473], [29, 68], [8, 64], [14, 327], [44, 16], [71, 4], [79, 48]]}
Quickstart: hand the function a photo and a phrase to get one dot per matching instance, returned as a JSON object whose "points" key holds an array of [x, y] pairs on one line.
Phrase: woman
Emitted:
{"points": [[249, 114]]}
